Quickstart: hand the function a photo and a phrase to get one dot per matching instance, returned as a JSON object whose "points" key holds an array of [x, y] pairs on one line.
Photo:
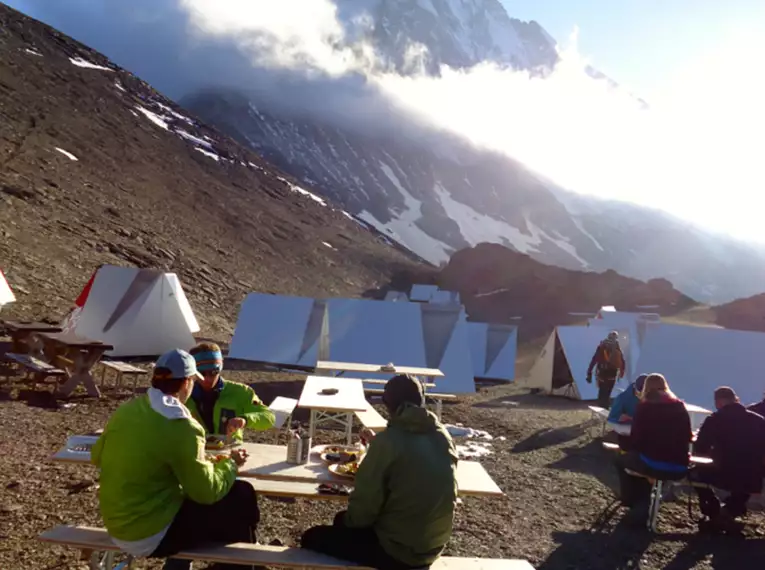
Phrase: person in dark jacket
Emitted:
{"points": [[660, 441], [610, 363], [734, 438], [758, 408], [401, 512]]}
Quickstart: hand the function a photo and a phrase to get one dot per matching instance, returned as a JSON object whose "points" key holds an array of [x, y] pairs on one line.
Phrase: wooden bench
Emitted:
{"points": [[101, 550], [439, 398], [121, 368], [658, 485], [371, 419], [36, 366], [598, 415]]}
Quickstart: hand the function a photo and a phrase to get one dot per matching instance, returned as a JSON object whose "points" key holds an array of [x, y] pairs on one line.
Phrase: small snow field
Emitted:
{"points": [[329, 245], [191, 138], [158, 120], [208, 154], [67, 154], [33, 52], [79, 62]]}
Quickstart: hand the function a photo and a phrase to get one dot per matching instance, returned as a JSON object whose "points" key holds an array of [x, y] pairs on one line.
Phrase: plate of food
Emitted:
{"points": [[346, 470], [217, 443], [338, 454]]}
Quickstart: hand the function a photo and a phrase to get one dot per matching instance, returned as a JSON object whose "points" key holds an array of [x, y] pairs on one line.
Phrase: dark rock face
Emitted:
{"points": [[500, 285]]}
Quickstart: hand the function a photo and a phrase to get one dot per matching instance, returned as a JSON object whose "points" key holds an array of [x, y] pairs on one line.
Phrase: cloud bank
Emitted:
{"points": [[692, 154]]}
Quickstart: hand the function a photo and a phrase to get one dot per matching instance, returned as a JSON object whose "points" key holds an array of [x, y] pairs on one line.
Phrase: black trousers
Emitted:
{"points": [[605, 387], [635, 491], [710, 505], [359, 545], [232, 519]]}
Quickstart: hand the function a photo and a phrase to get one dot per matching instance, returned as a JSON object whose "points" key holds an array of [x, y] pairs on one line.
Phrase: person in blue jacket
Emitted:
{"points": [[624, 406]]}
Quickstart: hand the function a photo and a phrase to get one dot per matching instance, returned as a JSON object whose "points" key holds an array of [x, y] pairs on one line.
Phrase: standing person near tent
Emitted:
{"points": [[223, 407], [610, 363], [401, 511], [159, 493], [624, 407], [659, 442], [734, 438]]}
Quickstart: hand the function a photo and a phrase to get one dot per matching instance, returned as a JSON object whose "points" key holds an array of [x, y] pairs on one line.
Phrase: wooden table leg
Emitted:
{"points": [[84, 362]]}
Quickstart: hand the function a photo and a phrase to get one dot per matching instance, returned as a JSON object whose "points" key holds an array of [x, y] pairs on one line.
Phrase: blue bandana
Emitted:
{"points": [[210, 360]]}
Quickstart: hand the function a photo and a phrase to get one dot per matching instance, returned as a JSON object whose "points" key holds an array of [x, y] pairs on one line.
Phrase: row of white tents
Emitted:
{"points": [[298, 331], [144, 312], [694, 359]]}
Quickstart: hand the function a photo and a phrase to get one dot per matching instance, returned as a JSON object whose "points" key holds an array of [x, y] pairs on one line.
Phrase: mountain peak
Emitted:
{"points": [[457, 33]]}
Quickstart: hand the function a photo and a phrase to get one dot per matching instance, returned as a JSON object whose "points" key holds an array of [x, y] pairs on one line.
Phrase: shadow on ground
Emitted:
{"points": [[537, 401], [625, 545], [590, 459], [548, 437]]}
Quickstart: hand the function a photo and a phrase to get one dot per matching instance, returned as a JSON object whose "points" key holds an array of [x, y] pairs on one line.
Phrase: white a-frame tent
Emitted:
{"points": [[696, 360], [561, 368], [298, 331], [492, 349], [6, 294], [141, 312]]}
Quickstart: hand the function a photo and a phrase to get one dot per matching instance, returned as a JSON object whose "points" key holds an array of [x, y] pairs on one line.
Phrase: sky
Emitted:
{"points": [[643, 44], [698, 64]]}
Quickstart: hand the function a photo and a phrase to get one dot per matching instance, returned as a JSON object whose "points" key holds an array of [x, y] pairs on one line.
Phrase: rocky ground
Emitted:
{"points": [[558, 484]]}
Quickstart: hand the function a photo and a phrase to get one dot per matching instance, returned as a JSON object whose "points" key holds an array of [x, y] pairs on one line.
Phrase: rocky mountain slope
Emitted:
{"points": [[98, 167], [434, 196], [438, 201], [501, 285]]}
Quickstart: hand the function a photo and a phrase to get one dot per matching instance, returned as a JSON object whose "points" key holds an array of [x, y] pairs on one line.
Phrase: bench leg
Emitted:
{"points": [[312, 424], [348, 428], [439, 408], [653, 511]]}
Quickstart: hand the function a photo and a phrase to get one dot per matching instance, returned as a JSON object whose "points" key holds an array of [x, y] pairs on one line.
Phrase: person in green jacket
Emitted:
{"points": [[159, 493], [223, 407], [401, 511]]}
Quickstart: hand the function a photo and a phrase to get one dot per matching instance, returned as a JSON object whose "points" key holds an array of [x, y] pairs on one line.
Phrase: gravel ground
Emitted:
{"points": [[558, 484]]}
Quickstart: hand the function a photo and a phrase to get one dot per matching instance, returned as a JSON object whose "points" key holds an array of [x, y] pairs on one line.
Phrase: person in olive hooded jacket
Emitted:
{"points": [[222, 407], [401, 511], [159, 493]]}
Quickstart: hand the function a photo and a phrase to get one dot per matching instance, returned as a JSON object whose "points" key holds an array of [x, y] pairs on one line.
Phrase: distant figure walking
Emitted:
{"points": [[609, 360]]}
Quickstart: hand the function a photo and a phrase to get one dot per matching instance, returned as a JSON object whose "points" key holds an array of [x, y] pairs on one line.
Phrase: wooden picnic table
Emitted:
{"points": [[268, 462], [272, 475], [341, 367], [79, 354], [21, 331], [338, 407]]}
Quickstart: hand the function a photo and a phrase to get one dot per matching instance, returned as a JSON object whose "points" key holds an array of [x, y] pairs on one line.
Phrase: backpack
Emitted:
{"points": [[610, 358]]}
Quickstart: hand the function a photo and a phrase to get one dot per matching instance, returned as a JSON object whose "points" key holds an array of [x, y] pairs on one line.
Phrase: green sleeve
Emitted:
{"points": [[369, 492], [202, 481], [259, 417]]}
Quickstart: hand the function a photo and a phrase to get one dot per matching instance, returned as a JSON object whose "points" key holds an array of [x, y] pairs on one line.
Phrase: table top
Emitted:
{"points": [[349, 396], [74, 341], [372, 368], [268, 462], [692, 408], [29, 326], [270, 472]]}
